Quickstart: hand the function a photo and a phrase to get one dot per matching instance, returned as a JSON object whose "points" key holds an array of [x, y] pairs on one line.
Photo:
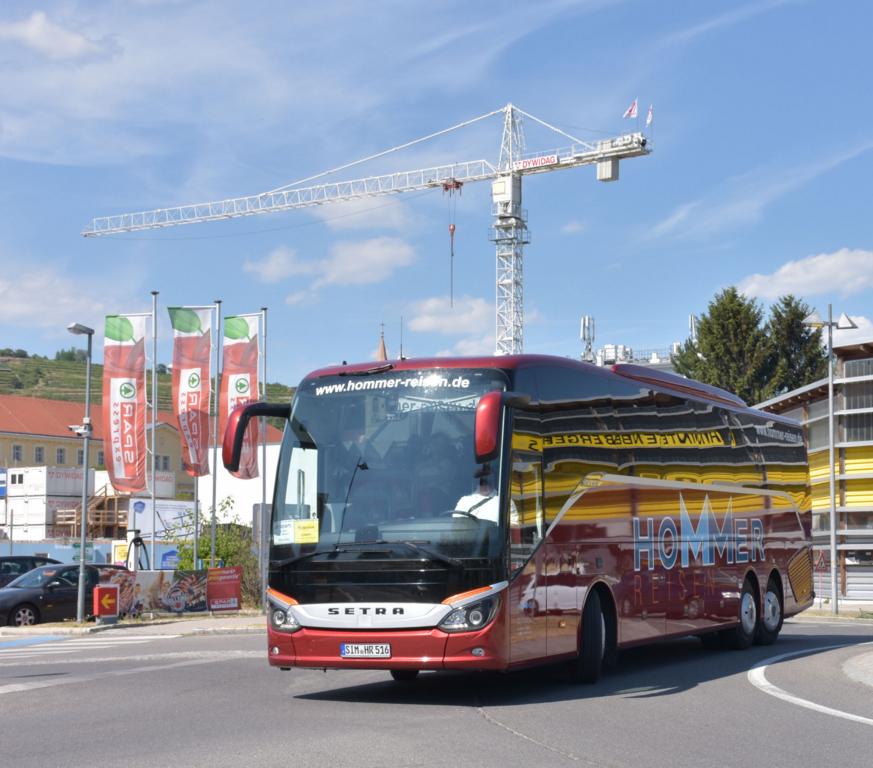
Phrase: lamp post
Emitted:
{"points": [[84, 430], [844, 323]]}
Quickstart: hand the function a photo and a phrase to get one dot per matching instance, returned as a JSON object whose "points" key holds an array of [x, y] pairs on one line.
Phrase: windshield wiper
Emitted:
{"points": [[297, 558], [369, 371], [431, 554]]}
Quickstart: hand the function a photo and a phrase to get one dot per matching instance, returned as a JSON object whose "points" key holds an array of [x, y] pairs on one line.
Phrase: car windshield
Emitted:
{"points": [[386, 460], [39, 577]]}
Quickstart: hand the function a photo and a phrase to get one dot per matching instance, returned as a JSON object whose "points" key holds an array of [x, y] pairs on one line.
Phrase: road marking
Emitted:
{"points": [[201, 658], [21, 641], [758, 678], [860, 669], [57, 646]]}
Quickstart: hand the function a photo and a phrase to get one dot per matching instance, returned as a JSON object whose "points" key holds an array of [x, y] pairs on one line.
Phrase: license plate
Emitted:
{"points": [[365, 650]]}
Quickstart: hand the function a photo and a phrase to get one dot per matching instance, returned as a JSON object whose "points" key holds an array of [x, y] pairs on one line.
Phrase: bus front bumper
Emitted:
{"points": [[409, 649]]}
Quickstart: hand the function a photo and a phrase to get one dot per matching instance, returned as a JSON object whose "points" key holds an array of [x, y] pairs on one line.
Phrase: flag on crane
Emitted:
{"points": [[650, 116], [631, 111]]}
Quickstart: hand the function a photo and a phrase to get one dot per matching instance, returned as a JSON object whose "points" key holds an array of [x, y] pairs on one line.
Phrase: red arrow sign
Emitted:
{"points": [[106, 600]]}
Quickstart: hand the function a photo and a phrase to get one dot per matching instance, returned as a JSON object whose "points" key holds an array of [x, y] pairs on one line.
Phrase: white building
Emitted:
{"points": [[33, 497]]}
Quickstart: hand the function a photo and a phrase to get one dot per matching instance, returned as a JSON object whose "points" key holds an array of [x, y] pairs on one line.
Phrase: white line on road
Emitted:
{"points": [[758, 678], [69, 646], [202, 659]]}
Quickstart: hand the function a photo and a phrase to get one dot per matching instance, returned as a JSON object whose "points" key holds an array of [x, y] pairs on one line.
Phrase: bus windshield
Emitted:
{"points": [[386, 461]]}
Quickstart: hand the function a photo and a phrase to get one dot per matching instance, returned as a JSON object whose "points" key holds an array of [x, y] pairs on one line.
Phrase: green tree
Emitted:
{"points": [[687, 360], [797, 356], [71, 355], [734, 353], [233, 546]]}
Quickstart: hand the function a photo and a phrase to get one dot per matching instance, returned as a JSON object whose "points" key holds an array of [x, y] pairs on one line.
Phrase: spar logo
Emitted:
{"points": [[127, 390], [194, 381], [737, 540]]}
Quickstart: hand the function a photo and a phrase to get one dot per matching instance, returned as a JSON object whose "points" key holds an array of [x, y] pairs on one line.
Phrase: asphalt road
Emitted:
{"points": [[136, 699]]}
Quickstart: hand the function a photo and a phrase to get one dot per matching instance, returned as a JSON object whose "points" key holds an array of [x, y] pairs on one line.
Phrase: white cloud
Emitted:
{"points": [[440, 315], [844, 272], [470, 317], [278, 265], [744, 199], [48, 38], [23, 299], [362, 262], [727, 19], [674, 220], [220, 80], [573, 227], [364, 213], [863, 333]]}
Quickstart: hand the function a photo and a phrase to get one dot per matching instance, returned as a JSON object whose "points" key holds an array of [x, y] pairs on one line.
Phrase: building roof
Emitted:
{"points": [[51, 418], [43, 417], [788, 400]]}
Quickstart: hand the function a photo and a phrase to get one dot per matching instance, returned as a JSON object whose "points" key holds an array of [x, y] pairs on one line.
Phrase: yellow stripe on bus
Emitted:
{"points": [[710, 439]]}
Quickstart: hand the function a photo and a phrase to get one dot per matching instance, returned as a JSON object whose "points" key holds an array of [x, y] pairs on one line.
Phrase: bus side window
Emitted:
{"points": [[526, 519]]}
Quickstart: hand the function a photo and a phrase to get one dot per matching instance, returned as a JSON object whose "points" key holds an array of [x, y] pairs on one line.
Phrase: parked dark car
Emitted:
{"points": [[49, 593], [12, 566]]}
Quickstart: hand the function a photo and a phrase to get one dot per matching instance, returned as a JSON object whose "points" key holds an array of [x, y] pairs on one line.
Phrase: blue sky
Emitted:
{"points": [[760, 178]]}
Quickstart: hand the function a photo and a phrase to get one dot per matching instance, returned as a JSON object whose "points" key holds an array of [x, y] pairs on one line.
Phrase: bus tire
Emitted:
{"points": [[770, 623], [743, 635], [587, 666], [404, 675]]}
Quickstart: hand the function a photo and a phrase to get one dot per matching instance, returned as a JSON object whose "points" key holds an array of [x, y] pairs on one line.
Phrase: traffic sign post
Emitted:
{"points": [[106, 603], [77, 550]]}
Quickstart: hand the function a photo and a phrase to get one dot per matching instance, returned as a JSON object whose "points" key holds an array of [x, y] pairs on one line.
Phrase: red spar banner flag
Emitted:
{"points": [[192, 352], [124, 401], [239, 382]]}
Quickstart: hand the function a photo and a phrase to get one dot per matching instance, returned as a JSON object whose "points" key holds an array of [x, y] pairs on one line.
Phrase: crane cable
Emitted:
{"points": [[451, 186], [385, 152]]}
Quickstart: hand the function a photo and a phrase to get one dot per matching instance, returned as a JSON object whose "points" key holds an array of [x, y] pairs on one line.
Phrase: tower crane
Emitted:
{"points": [[509, 230]]}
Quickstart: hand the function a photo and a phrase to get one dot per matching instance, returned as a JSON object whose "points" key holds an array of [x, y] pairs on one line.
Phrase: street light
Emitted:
{"points": [[844, 323], [84, 430]]}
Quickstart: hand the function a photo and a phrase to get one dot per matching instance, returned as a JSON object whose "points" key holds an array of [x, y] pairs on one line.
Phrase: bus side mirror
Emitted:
{"points": [[489, 416], [238, 422]]}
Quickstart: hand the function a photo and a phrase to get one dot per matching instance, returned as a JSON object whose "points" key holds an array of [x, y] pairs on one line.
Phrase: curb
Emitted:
{"points": [[184, 627], [815, 619]]}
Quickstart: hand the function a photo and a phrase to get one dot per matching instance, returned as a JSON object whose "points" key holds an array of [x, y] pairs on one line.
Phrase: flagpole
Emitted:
{"points": [[196, 516], [265, 518], [154, 418], [215, 431]]}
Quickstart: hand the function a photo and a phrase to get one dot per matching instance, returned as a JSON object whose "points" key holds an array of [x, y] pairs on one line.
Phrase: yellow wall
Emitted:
{"points": [[168, 444], [49, 445]]}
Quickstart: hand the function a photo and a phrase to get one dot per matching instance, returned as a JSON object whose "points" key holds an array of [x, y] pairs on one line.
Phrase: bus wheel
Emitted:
{"points": [[588, 664], [404, 675], [771, 614], [742, 636]]}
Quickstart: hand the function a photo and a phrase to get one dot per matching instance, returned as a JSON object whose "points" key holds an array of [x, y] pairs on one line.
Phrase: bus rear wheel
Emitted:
{"points": [[587, 666], [404, 675], [771, 614], [743, 635]]}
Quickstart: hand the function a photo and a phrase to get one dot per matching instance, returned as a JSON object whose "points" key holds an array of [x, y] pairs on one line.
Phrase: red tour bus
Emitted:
{"points": [[498, 513]]}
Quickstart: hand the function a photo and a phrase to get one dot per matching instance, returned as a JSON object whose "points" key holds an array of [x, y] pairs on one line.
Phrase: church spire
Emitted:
{"points": [[381, 353]]}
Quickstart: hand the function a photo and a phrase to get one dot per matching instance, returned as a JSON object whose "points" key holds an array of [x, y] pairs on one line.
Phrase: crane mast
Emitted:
{"points": [[509, 231]]}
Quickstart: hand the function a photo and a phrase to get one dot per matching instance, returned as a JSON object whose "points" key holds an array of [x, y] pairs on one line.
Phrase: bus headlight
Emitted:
{"points": [[471, 617], [282, 620]]}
